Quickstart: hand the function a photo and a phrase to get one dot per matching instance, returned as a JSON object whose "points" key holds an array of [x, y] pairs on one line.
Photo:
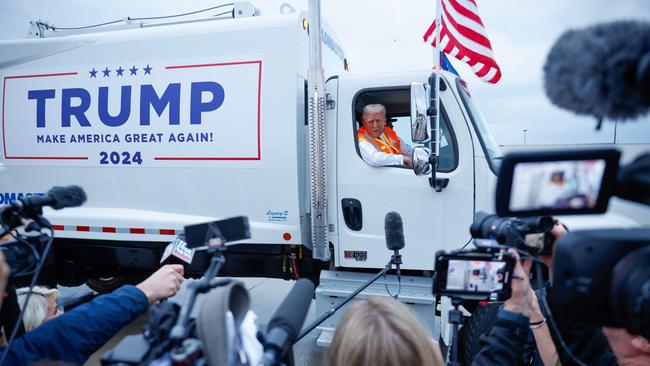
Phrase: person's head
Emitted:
{"points": [[373, 119], [41, 307], [557, 177], [381, 332], [629, 349]]}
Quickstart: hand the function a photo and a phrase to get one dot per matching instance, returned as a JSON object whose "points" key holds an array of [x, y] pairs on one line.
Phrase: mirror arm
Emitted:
{"points": [[435, 183]]}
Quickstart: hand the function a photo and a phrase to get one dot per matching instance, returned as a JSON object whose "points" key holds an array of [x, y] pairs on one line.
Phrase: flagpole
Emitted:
{"points": [[436, 63]]}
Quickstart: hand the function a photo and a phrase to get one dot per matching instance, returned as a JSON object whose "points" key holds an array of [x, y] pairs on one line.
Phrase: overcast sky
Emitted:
{"points": [[386, 35]]}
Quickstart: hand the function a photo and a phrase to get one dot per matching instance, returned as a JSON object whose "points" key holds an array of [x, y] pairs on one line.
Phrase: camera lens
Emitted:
{"points": [[630, 292]]}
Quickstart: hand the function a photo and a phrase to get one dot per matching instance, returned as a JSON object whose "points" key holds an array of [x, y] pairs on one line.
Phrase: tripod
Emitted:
{"points": [[455, 319]]}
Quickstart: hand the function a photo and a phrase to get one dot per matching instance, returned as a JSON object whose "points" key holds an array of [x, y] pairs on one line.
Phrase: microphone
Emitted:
{"points": [[57, 198], [601, 71], [394, 229], [287, 321], [177, 252]]}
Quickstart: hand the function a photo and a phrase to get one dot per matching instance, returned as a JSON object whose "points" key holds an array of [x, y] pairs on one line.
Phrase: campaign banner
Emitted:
{"points": [[139, 113]]}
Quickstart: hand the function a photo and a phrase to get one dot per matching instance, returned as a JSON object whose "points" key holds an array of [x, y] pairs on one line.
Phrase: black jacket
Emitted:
{"points": [[505, 343]]}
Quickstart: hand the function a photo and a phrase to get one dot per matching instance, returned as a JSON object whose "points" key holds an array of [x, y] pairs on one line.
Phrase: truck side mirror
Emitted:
{"points": [[420, 124], [421, 165]]}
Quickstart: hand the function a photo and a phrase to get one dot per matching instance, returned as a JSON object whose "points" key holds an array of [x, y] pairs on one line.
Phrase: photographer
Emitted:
{"points": [[506, 342], [75, 335]]}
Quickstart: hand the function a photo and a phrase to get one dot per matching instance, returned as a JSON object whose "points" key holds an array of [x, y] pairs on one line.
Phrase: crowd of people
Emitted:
{"points": [[379, 331]]}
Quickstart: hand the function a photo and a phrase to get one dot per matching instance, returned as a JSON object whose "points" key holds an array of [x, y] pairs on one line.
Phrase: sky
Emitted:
{"points": [[386, 36]]}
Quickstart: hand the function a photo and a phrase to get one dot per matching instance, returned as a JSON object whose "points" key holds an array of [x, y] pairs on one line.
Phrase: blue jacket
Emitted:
{"points": [[77, 334]]}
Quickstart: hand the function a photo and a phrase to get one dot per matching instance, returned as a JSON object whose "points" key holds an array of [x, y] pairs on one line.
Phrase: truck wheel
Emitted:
{"points": [[104, 285], [481, 322]]}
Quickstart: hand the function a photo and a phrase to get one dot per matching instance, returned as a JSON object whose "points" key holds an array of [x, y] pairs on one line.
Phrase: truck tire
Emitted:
{"points": [[481, 322], [108, 284]]}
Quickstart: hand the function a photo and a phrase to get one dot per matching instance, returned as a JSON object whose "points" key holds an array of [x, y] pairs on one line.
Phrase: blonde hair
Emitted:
{"points": [[36, 310], [381, 332]]}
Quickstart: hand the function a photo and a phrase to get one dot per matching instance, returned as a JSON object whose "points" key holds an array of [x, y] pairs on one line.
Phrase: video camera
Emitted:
{"points": [[484, 272], [26, 249], [601, 276]]}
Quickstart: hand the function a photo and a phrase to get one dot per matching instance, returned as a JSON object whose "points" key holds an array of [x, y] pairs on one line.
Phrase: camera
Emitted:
{"points": [[601, 276], [532, 234], [474, 275], [22, 255]]}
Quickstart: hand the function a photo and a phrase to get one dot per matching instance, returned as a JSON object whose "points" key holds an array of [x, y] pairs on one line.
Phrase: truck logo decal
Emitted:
{"points": [[7, 198], [332, 45], [134, 113], [277, 216]]}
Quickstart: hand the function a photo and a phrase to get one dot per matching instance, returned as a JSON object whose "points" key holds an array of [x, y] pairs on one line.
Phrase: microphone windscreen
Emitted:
{"points": [[70, 196], [394, 231], [595, 71], [292, 312]]}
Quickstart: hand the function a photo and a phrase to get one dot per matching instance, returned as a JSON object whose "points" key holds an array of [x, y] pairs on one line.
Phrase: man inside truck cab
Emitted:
{"points": [[379, 144]]}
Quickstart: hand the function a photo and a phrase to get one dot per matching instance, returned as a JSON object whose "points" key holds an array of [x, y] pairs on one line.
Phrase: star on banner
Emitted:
{"points": [[106, 72], [134, 70], [147, 70], [93, 73], [119, 71]]}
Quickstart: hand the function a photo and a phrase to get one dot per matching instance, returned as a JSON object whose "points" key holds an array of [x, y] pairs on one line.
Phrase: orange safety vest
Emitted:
{"points": [[387, 143]]}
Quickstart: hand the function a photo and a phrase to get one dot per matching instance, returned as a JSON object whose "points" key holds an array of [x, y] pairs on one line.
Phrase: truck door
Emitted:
{"points": [[365, 194]]}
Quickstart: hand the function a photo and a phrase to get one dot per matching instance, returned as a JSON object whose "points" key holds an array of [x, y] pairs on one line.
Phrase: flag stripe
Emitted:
{"points": [[463, 40], [465, 26], [471, 49], [463, 36], [466, 11]]}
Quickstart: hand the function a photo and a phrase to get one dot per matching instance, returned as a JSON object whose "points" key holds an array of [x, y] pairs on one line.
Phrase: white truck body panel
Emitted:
{"points": [[246, 154]]}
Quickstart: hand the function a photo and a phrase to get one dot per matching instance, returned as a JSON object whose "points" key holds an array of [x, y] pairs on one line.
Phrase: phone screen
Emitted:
{"points": [[476, 275]]}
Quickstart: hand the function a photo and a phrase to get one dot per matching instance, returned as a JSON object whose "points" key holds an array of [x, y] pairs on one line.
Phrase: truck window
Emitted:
{"points": [[397, 104], [490, 147], [448, 158]]}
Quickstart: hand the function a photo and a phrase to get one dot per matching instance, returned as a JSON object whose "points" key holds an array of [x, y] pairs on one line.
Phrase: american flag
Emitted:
{"points": [[463, 36]]}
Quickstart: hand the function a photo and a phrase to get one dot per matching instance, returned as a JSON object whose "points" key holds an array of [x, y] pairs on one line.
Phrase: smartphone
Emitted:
{"points": [[474, 275], [224, 231]]}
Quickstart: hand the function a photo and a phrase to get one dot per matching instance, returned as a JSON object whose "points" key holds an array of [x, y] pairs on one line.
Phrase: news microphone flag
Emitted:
{"points": [[463, 36]]}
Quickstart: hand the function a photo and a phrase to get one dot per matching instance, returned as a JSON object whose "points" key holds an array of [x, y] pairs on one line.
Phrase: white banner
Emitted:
{"points": [[178, 113]]}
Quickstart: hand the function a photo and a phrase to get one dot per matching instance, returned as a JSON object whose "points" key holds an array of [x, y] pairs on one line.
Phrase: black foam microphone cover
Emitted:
{"points": [[394, 231], [601, 71], [70, 196], [292, 312]]}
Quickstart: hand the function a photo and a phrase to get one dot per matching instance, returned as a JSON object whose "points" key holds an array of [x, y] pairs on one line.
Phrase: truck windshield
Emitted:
{"points": [[490, 147]]}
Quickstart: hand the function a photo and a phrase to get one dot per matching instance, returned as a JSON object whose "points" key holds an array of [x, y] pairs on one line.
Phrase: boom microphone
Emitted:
{"points": [[57, 198], [394, 231], [287, 321], [601, 71]]}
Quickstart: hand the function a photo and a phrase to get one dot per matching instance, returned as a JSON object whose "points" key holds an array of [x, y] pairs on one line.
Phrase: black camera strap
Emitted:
{"points": [[563, 350], [10, 312]]}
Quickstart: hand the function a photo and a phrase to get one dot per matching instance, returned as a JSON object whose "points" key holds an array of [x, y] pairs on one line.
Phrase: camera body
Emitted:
{"points": [[603, 276], [23, 255]]}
